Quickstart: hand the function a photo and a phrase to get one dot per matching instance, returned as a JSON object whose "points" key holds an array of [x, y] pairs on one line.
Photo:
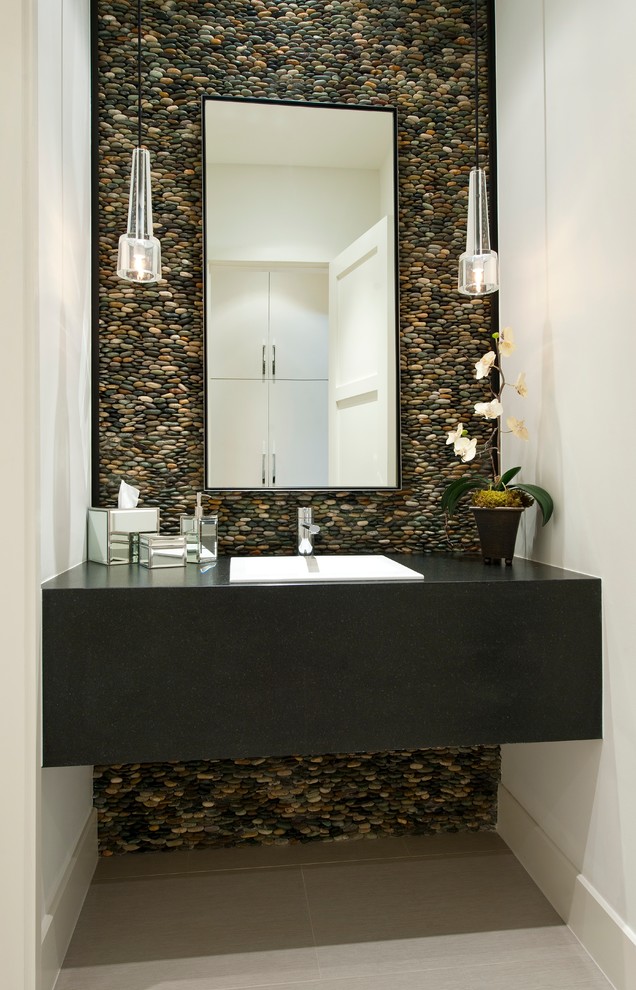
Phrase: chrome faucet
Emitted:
{"points": [[306, 531]]}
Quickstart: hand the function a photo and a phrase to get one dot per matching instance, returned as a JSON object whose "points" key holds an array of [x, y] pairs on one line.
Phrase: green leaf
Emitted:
{"points": [[541, 497], [450, 490], [457, 489], [495, 335], [509, 475], [453, 498], [457, 483]]}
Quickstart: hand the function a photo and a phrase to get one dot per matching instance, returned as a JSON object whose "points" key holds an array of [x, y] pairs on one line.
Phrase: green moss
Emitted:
{"points": [[511, 498]]}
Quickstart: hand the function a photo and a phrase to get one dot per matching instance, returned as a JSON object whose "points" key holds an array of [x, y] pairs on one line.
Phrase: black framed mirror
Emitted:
{"points": [[300, 295]]}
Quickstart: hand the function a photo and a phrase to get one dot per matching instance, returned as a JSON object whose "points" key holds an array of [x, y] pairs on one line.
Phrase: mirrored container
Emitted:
{"points": [[189, 526], [113, 534], [201, 535], [208, 539], [161, 551]]}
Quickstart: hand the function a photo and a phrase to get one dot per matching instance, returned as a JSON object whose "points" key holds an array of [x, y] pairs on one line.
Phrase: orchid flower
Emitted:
{"points": [[504, 489], [507, 342], [466, 449], [520, 385], [483, 366], [491, 410], [456, 435], [518, 427]]}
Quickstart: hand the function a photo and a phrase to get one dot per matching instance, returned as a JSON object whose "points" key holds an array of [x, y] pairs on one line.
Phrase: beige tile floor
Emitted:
{"points": [[454, 912]]}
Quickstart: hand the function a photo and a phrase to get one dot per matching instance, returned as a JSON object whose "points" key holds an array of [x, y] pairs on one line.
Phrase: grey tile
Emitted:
{"points": [[439, 915], [454, 844], [141, 865], [247, 969], [210, 915], [418, 898], [521, 946], [298, 854], [566, 974]]}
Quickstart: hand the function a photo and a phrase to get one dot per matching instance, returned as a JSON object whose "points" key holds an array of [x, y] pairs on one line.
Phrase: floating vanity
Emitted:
{"points": [[183, 664]]}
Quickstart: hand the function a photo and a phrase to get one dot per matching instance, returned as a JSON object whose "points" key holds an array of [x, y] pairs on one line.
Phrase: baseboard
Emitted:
{"points": [[599, 929], [58, 925]]}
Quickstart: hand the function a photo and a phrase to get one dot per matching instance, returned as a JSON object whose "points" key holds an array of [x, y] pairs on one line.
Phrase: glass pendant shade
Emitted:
{"points": [[139, 258], [478, 266]]}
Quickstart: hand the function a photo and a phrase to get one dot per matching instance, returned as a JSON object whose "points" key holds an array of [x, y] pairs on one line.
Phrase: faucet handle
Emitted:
{"points": [[307, 529]]}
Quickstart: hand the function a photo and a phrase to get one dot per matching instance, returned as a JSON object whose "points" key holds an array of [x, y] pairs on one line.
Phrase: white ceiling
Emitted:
{"points": [[244, 133]]}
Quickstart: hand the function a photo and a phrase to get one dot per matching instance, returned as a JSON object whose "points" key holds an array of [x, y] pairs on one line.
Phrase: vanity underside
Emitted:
{"points": [[143, 666]]}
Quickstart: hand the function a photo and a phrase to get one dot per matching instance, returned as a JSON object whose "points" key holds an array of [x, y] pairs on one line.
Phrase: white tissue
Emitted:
{"points": [[128, 496]]}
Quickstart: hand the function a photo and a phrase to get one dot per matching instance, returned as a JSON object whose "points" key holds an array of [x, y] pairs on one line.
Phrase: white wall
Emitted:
{"points": [[275, 213], [566, 95], [66, 832], [18, 504], [64, 279]]}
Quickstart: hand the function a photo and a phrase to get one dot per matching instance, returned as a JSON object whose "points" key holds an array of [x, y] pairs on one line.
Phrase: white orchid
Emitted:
{"points": [[491, 410], [466, 449], [483, 366], [518, 427], [462, 446], [507, 342], [502, 488], [456, 435], [520, 385]]}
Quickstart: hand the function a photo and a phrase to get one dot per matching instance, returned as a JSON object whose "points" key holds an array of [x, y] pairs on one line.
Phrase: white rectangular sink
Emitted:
{"points": [[337, 567]]}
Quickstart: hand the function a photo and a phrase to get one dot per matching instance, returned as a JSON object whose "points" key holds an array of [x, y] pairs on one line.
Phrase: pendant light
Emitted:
{"points": [[479, 266], [139, 257]]}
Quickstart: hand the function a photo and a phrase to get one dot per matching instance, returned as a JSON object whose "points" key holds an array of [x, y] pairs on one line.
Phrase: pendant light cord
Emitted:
{"points": [[139, 73], [476, 87]]}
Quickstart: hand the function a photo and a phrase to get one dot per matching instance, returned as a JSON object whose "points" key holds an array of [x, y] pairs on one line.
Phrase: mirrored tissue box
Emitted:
{"points": [[113, 534], [162, 551]]}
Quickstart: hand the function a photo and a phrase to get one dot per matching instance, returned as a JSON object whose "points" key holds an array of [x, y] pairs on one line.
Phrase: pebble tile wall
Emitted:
{"points": [[296, 799], [416, 55]]}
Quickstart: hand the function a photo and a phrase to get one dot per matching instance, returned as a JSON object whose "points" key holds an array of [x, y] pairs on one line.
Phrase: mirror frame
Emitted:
{"points": [[362, 108]]}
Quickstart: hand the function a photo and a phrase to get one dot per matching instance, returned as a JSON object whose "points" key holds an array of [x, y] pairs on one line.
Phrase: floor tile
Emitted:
{"points": [[235, 924], [247, 858], [568, 975], [141, 865], [248, 969], [451, 912], [454, 843], [419, 898], [521, 946], [298, 854]]}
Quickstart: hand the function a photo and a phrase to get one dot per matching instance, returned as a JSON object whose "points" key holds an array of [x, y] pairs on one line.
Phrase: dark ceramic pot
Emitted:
{"points": [[497, 532]]}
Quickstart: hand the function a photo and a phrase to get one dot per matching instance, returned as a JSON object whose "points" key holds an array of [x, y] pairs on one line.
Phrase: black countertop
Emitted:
{"points": [[437, 568], [179, 664]]}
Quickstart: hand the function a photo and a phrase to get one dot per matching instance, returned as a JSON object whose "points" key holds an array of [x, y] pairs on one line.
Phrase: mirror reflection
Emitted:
{"points": [[300, 296]]}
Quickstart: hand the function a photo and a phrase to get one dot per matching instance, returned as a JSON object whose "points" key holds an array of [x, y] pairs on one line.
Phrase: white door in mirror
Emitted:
{"points": [[267, 378]]}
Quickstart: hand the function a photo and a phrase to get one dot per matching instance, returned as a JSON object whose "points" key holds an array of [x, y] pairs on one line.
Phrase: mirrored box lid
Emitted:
{"points": [[113, 534], [162, 551]]}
